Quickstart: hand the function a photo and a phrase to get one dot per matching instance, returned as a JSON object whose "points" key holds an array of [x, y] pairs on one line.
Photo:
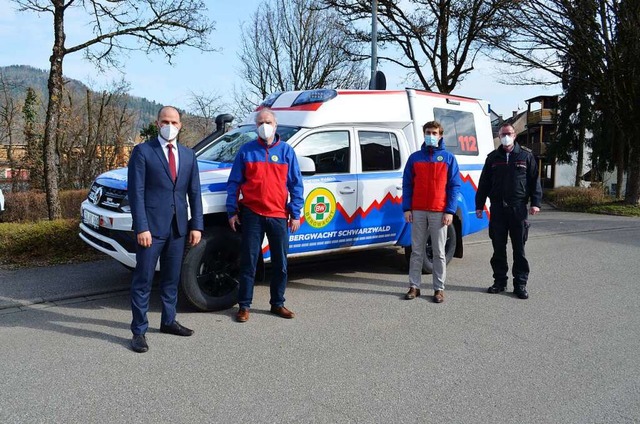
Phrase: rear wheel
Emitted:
{"points": [[210, 270], [449, 250]]}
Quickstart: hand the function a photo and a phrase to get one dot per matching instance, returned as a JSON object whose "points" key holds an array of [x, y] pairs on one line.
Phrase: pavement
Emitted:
{"points": [[24, 287], [357, 352]]}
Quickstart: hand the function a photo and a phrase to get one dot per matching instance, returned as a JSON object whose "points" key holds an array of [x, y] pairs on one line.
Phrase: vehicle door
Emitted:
{"points": [[379, 217], [330, 195]]}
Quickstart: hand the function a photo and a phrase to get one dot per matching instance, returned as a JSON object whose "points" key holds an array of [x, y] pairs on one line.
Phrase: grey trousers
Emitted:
{"points": [[427, 224]]}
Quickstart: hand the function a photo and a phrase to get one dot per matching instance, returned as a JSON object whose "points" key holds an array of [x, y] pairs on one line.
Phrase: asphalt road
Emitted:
{"points": [[356, 352]]}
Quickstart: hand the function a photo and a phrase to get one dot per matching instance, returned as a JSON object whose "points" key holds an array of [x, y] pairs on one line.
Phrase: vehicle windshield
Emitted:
{"points": [[225, 148]]}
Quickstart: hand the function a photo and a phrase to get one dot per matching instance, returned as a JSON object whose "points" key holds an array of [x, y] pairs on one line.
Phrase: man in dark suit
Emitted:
{"points": [[162, 175]]}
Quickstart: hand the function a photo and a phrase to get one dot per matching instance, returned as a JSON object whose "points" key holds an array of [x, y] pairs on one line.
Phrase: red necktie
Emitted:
{"points": [[172, 162]]}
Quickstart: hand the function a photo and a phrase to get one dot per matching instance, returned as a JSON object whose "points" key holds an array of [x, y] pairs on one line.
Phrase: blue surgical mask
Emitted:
{"points": [[431, 140]]}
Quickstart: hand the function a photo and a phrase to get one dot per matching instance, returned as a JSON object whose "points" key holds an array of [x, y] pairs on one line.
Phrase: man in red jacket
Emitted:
{"points": [[430, 187], [266, 173]]}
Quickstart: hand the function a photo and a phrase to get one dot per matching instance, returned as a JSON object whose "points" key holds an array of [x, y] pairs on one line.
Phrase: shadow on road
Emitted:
{"points": [[40, 318]]}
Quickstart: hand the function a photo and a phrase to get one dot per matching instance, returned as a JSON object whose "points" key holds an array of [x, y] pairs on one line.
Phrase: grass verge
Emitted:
{"points": [[590, 200], [43, 243]]}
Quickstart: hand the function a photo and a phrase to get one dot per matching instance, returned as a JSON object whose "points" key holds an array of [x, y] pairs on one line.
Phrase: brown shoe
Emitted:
{"points": [[412, 293], [438, 296], [282, 312], [242, 315]]}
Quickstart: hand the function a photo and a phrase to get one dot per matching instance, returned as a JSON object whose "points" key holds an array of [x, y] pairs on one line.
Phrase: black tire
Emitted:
{"points": [[449, 250], [210, 270], [128, 267]]}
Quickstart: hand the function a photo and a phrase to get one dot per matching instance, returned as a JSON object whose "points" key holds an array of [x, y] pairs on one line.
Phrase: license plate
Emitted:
{"points": [[91, 218]]}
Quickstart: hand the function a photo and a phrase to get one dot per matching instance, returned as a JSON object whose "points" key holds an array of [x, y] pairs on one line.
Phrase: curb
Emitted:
{"points": [[58, 300]]}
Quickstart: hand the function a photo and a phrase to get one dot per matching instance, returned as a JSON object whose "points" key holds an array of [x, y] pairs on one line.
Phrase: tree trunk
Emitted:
{"points": [[620, 169], [580, 159], [51, 123], [632, 195]]}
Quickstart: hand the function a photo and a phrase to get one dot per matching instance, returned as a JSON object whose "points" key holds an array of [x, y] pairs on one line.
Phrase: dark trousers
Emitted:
{"points": [[509, 221], [170, 251], [254, 227]]}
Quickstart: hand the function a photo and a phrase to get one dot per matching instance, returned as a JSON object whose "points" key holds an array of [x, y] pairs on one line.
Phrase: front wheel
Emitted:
{"points": [[449, 250], [210, 270]]}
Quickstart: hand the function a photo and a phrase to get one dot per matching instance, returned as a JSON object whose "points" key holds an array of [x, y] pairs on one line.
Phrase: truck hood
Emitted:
{"points": [[213, 176]]}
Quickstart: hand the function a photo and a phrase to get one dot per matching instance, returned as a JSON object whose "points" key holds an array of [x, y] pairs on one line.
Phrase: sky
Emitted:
{"points": [[26, 38]]}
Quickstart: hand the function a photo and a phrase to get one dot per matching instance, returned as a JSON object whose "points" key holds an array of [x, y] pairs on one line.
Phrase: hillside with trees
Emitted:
{"points": [[18, 78], [97, 129]]}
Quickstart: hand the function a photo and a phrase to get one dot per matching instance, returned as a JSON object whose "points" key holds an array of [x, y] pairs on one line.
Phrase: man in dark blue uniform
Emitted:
{"points": [[510, 179]]}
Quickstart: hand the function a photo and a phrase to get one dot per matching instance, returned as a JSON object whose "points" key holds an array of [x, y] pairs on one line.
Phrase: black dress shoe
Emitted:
{"points": [[521, 292], [139, 343], [176, 329], [496, 288]]}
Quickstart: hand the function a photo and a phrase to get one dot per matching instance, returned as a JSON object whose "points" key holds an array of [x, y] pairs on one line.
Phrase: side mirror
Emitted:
{"points": [[307, 165]]}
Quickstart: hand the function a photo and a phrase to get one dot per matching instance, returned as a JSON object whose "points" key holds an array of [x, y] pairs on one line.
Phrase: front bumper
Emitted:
{"points": [[107, 245], [109, 232]]}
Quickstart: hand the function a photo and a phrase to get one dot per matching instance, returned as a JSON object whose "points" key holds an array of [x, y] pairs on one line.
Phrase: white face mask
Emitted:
{"points": [[169, 132], [506, 140], [266, 131]]}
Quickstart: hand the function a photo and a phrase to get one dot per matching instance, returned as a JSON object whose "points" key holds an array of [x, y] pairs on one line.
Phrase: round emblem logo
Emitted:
{"points": [[440, 158], [274, 158], [94, 196], [319, 207]]}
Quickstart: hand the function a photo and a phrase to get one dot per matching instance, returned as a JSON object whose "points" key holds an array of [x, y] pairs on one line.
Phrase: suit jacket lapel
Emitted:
{"points": [[182, 160], [157, 147]]}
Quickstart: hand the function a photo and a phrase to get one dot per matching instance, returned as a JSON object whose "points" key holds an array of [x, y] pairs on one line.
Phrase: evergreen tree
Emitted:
{"points": [[576, 106], [626, 93], [149, 132], [33, 140]]}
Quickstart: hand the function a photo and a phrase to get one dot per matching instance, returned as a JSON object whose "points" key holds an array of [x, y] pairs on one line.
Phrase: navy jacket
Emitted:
{"points": [[153, 196], [509, 182]]}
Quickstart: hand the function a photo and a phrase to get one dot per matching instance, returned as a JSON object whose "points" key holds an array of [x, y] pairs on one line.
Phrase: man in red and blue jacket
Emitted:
{"points": [[430, 187], [267, 176]]}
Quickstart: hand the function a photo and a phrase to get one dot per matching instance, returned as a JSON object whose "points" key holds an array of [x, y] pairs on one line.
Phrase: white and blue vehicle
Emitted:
{"points": [[352, 147]]}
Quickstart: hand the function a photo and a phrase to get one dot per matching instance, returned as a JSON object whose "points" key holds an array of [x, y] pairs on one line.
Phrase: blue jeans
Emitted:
{"points": [[254, 227]]}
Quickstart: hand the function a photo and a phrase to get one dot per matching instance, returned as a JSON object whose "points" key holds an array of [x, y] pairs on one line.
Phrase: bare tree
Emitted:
{"points": [[94, 128], [9, 114], [203, 109], [155, 26], [294, 45], [435, 41]]}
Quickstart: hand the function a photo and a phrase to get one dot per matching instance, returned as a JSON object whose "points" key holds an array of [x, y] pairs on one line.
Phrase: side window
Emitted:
{"points": [[379, 150], [459, 131], [329, 150]]}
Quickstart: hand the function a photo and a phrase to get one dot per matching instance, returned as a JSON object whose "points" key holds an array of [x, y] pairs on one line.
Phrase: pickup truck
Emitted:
{"points": [[352, 146]]}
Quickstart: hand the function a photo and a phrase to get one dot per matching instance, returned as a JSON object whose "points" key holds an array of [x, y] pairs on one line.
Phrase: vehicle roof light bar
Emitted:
{"points": [[271, 99], [314, 96]]}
